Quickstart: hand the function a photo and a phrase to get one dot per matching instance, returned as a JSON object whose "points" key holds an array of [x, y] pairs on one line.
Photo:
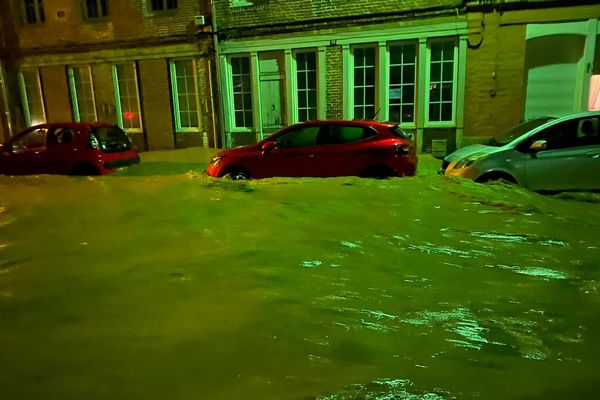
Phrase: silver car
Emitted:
{"points": [[542, 154]]}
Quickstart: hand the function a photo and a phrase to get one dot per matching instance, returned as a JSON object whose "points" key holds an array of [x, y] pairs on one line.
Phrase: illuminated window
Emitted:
{"points": [[127, 100], [364, 82], [34, 11], [442, 75], [96, 8], [82, 94], [31, 97], [306, 74], [185, 94], [159, 5], [402, 72], [242, 92]]}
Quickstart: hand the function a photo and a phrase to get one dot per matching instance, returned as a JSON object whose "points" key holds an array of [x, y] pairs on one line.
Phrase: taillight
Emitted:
{"points": [[401, 149]]}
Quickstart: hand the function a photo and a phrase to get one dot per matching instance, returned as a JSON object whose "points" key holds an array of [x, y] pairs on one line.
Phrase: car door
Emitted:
{"points": [[294, 153], [26, 152], [61, 153], [570, 160], [342, 150]]}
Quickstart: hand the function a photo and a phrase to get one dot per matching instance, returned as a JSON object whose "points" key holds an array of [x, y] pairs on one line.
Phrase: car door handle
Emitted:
{"points": [[593, 154]]}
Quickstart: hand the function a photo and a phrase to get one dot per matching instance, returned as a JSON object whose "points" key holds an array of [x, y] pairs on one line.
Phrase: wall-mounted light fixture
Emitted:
{"points": [[332, 43]]}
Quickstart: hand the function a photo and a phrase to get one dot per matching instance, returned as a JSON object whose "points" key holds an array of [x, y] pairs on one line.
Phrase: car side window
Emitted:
{"points": [[588, 132], [558, 136], [338, 134], [60, 136], [300, 137], [30, 140]]}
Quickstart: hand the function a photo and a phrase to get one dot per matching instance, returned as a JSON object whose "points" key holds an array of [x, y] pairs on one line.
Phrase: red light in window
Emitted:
{"points": [[128, 115]]}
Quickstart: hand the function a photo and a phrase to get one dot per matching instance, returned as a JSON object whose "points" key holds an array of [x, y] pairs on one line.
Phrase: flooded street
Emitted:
{"points": [[161, 283]]}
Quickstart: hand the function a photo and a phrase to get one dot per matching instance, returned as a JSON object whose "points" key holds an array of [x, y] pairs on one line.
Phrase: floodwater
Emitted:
{"points": [[161, 283]]}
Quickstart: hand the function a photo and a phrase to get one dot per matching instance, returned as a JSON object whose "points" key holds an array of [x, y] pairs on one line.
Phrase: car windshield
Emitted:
{"points": [[517, 131], [111, 138]]}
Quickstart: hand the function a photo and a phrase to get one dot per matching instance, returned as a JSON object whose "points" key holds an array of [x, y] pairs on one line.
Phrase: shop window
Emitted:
{"points": [[82, 94], [96, 8], [32, 97], [242, 92], [34, 11], [159, 5], [306, 94], [127, 99], [442, 76], [364, 82], [402, 73], [185, 94]]}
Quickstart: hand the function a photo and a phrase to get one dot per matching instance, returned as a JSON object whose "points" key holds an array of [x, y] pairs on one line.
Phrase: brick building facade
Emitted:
{"points": [[459, 71], [147, 65]]}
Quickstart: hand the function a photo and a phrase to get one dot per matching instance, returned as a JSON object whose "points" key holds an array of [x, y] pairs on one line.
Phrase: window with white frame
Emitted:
{"points": [[185, 94], [306, 79], [96, 8], [402, 75], [159, 5], [364, 82], [442, 75], [82, 93], [34, 11], [127, 99], [31, 96], [242, 92]]}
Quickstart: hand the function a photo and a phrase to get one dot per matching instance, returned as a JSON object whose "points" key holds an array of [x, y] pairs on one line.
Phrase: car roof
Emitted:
{"points": [[355, 122], [73, 125]]}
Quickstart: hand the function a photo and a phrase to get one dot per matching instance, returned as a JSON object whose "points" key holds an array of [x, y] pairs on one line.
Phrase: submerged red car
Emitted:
{"points": [[322, 149], [67, 148]]}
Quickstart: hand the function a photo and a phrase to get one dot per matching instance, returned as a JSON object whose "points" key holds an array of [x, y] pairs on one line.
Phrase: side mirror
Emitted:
{"points": [[538, 145], [268, 146]]}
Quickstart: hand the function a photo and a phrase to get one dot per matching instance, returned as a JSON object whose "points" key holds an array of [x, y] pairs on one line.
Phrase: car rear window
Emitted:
{"points": [[397, 131], [111, 138]]}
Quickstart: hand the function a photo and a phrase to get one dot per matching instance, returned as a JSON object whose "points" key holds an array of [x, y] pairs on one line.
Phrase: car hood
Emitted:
{"points": [[472, 149]]}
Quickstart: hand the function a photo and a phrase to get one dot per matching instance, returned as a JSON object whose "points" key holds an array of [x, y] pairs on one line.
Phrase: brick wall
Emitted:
{"points": [[290, 11], [156, 97], [335, 89], [56, 90], [495, 81], [127, 21]]}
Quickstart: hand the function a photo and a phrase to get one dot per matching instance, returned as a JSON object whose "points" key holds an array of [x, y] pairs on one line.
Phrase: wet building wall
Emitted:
{"points": [[70, 66], [497, 85]]}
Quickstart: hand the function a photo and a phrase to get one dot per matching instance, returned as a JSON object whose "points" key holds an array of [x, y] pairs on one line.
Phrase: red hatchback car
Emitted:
{"points": [[67, 148], [321, 149]]}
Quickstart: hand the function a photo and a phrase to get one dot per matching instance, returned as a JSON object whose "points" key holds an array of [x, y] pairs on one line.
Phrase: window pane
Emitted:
{"points": [[186, 93], [41, 11], [446, 112], [436, 52], [128, 96], [408, 94], [395, 75], [447, 92], [436, 74], [242, 91], [32, 96], [434, 112], [301, 80], [408, 113], [448, 71]]}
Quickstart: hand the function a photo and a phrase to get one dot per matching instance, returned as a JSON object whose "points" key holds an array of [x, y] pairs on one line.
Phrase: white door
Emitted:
{"points": [[552, 68]]}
